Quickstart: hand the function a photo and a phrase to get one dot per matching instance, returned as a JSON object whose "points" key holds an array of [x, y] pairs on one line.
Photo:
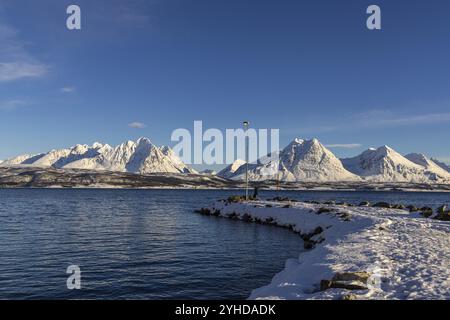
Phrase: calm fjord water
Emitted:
{"points": [[146, 244]]}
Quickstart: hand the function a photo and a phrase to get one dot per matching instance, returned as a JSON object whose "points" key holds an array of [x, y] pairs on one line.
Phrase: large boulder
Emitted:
{"points": [[442, 209], [442, 213], [412, 208], [426, 212], [382, 205], [347, 280]]}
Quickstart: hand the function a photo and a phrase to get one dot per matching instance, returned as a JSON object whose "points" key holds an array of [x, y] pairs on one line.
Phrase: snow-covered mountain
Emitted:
{"points": [[229, 171], [138, 157], [386, 165], [441, 164], [433, 170], [309, 160], [301, 160]]}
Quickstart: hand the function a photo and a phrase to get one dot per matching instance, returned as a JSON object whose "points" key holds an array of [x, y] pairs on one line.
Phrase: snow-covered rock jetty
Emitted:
{"points": [[352, 252]]}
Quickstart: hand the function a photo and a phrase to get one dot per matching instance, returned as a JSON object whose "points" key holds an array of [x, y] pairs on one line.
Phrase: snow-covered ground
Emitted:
{"points": [[403, 254]]}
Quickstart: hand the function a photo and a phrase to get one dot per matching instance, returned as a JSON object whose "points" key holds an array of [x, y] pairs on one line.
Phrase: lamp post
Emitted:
{"points": [[246, 124]]}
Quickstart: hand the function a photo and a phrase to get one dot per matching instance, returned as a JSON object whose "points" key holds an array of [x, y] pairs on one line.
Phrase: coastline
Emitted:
{"points": [[381, 253], [27, 177]]}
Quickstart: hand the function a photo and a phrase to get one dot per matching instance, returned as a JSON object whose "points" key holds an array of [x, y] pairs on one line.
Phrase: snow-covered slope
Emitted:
{"points": [[441, 164], [386, 165], [22, 159], [230, 170], [433, 171], [138, 157], [309, 160], [393, 254]]}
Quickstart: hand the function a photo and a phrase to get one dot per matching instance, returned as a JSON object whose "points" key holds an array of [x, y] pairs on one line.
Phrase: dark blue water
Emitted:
{"points": [[146, 244]]}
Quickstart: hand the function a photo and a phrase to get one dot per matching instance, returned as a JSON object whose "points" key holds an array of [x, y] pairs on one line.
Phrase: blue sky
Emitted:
{"points": [[309, 68]]}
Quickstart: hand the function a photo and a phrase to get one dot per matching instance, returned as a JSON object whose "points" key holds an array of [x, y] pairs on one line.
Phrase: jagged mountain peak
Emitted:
{"points": [[144, 140], [432, 168], [300, 160], [310, 160], [139, 156]]}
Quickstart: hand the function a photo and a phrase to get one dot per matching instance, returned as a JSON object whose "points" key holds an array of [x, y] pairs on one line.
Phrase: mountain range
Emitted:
{"points": [[140, 157], [301, 160], [309, 160]]}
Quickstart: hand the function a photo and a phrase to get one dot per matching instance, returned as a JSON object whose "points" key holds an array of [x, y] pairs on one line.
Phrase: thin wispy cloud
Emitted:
{"points": [[344, 145], [136, 125], [16, 70], [11, 104], [15, 61], [133, 14], [68, 89], [430, 118], [375, 119]]}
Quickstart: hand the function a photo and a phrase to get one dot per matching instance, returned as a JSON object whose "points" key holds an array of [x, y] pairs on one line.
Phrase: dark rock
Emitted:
{"points": [[344, 215], [318, 230], [233, 215], [204, 211], [308, 245], [323, 210], [235, 199], [270, 220], [280, 199], [382, 205], [426, 212], [347, 280], [287, 206], [412, 208], [268, 206], [398, 206], [445, 216], [305, 236], [325, 285], [364, 204], [361, 276], [247, 218], [442, 209]]}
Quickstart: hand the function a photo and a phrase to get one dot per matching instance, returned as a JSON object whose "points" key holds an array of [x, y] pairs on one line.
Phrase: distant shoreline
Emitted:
{"points": [[51, 178], [54, 187]]}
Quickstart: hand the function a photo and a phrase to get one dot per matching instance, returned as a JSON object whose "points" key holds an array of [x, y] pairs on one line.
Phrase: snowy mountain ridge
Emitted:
{"points": [[386, 164], [309, 160], [141, 157], [301, 160]]}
